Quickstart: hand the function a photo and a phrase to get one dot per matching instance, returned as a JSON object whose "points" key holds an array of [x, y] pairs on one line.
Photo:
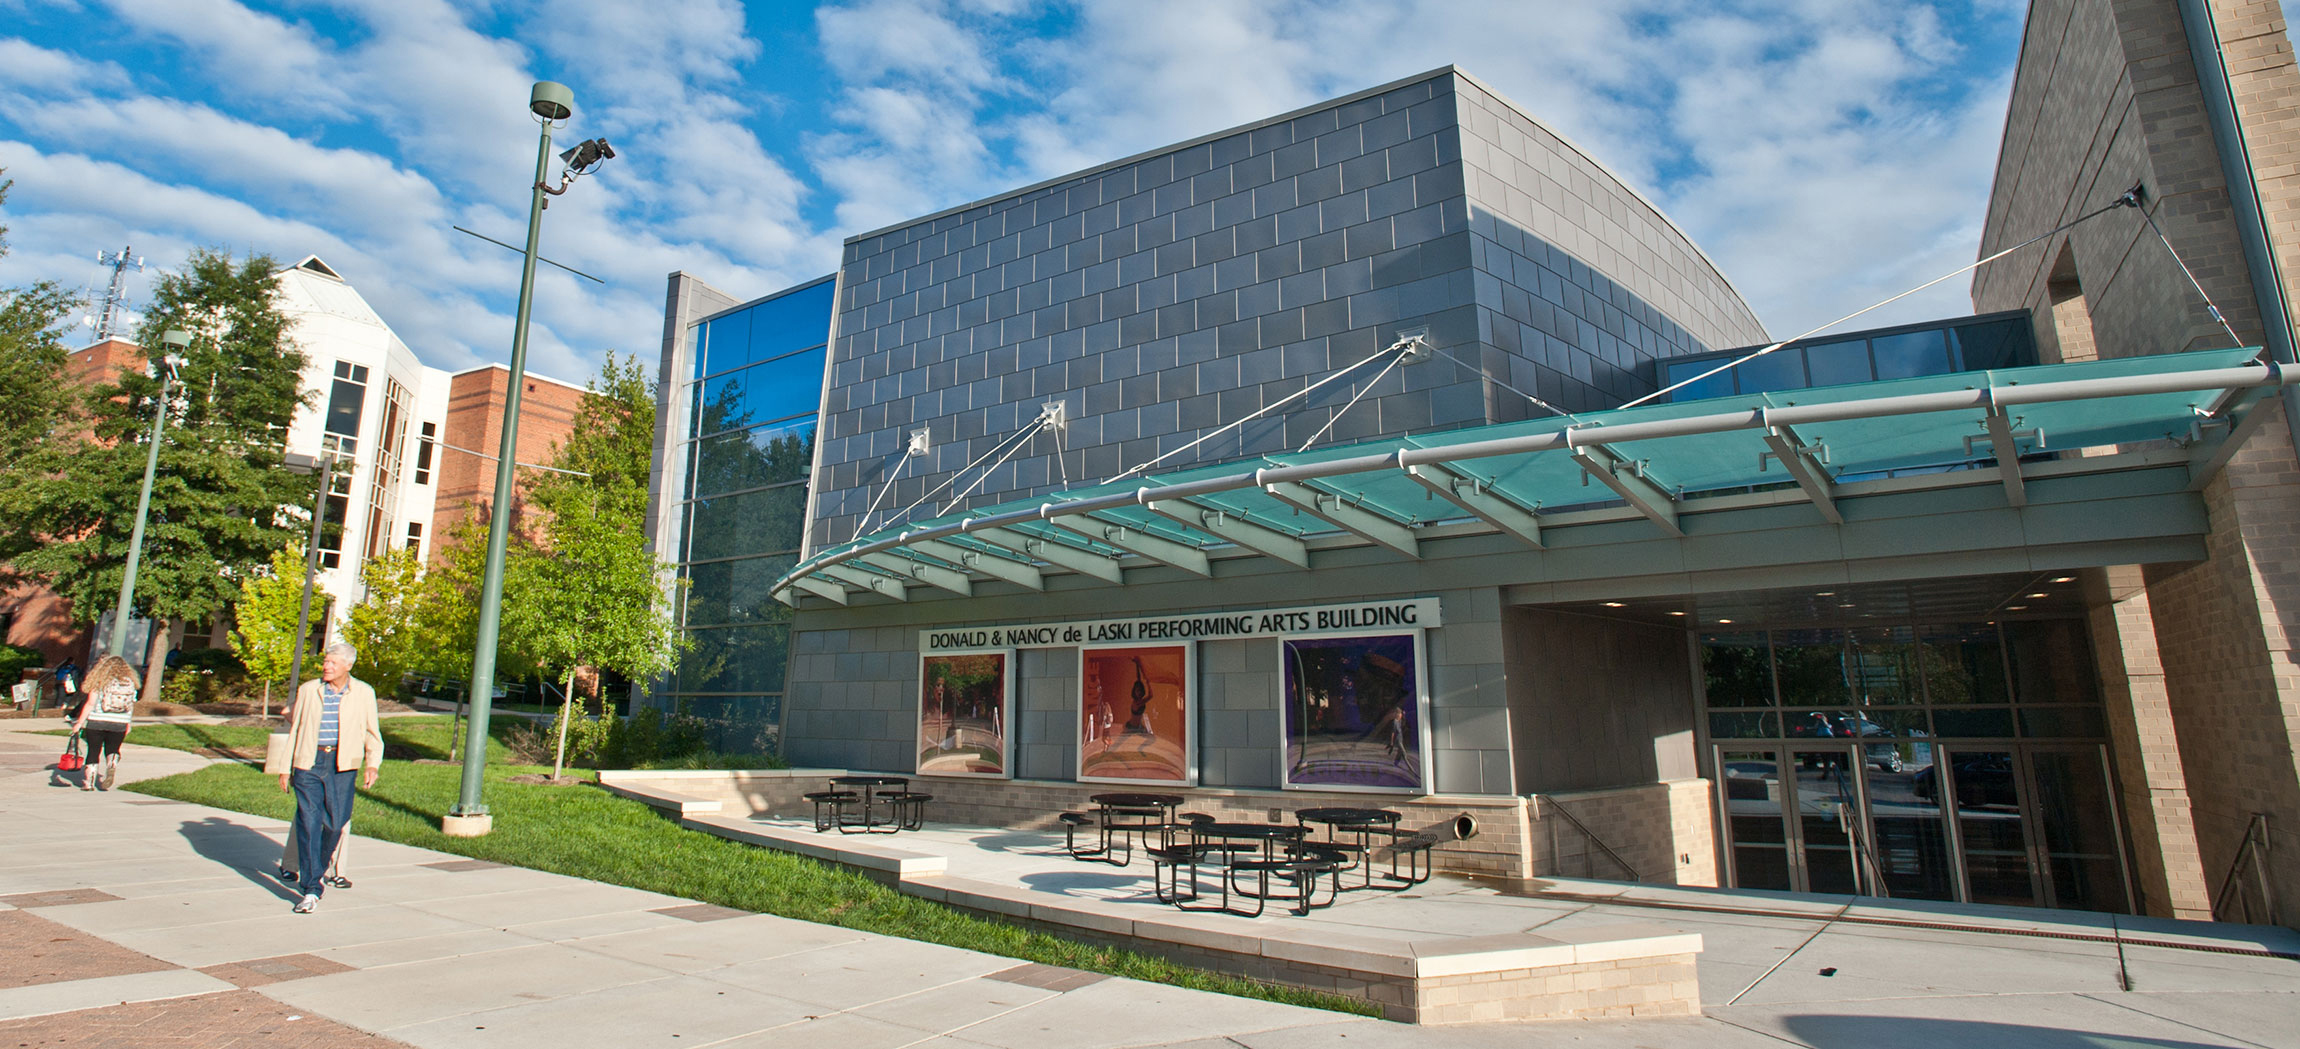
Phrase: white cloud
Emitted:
{"points": [[259, 59], [33, 68]]}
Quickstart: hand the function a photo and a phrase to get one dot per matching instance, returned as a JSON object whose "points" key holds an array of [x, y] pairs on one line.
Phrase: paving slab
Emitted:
{"points": [[692, 947], [669, 1012], [43, 999], [409, 995], [857, 974], [2028, 1021]]}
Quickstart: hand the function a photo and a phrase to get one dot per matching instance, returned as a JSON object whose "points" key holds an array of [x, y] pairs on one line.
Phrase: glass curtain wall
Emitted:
{"points": [[1949, 761], [753, 397], [1966, 345]]}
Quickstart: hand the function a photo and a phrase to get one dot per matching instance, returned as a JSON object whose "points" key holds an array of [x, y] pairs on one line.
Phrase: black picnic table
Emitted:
{"points": [[1353, 832]]}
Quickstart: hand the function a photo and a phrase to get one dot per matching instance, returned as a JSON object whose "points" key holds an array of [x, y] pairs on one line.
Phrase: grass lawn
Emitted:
{"points": [[588, 833]]}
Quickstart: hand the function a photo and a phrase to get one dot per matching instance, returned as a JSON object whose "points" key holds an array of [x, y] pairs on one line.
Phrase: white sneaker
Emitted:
{"points": [[306, 905]]}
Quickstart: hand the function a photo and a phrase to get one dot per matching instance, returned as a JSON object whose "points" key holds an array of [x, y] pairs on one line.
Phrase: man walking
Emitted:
{"points": [[332, 734]]}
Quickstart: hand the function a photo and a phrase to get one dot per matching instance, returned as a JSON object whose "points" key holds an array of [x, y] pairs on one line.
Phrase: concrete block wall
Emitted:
{"points": [[1240, 723], [1161, 296], [2167, 869], [1665, 831], [1582, 283], [1046, 714], [2108, 94]]}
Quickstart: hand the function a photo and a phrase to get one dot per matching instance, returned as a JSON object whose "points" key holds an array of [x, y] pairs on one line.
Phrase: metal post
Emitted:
{"points": [[119, 645], [482, 685], [310, 569]]}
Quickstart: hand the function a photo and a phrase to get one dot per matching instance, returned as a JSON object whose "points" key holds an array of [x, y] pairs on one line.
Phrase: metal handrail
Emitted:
{"points": [[2250, 850], [1591, 835]]}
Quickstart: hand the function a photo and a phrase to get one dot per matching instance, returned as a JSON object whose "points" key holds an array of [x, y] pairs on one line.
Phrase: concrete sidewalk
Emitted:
{"points": [[142, 921]]}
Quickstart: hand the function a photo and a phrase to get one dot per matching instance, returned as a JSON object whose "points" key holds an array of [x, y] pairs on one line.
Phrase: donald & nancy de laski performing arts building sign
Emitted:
{"points": [[1353, 693]]}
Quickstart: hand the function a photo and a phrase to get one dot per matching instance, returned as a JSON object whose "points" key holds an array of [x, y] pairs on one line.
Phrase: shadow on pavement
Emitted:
{"points": [[243, 849], [1894, 1032]]}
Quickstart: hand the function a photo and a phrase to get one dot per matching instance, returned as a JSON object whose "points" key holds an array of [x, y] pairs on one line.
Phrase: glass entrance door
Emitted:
{"points": [[1829, 824], [2076, 821], [1793, 817], [1985, 791]]}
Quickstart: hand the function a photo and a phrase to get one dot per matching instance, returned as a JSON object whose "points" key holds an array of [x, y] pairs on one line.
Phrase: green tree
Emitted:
{"points": [[590, 592], [264, 618], [35, 403], [221, 503], [386, 626]]}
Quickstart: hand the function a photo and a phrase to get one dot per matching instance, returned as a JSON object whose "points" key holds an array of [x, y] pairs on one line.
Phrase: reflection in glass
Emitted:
{"points": [[1884, 666], [2073, 810], [2051, 661], [1986, 794], [735, 659], [2063, 723], [1810, 667], [1964, 663], [1910, 354], [1718, 385], [1993, 344], [1828, 814], [1973, 723], [1744, 724], [734, 525], [1782, 369], [768, 392], [745, 459], [1754, 800], [1839, 363], [723, 593], [1910, 832], [1737, 670]]}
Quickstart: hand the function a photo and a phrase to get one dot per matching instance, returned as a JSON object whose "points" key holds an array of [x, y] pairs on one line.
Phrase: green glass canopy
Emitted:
{"points": [[1663, 460]]}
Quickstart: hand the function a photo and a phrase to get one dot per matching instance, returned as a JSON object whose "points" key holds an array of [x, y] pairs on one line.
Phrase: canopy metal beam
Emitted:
{"points": [[2006, 445], [862, 579], [821, 588], [935, 576], [1331, 508], [2241, 418], [1057, 554], [1134, 540], [990, 565], [1803, 464], [1477, 498], [1215, 521], [1650, 499]]}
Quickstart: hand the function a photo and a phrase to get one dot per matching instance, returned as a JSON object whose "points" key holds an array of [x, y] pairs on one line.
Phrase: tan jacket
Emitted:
{"points": [[358, 741]]}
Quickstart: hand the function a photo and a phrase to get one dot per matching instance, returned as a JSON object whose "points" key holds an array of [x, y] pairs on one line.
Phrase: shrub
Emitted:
{"points": [[14, 659]]}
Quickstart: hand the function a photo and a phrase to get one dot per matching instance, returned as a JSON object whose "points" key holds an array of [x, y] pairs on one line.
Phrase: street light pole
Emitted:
{"points": [[549, 102], [311, 567], [173, 340]]}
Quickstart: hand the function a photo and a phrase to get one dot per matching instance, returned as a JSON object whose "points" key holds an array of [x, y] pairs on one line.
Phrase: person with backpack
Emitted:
{"points": [[105, 714]]}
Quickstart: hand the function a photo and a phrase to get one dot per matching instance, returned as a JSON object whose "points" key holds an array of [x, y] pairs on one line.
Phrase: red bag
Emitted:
{"points": [[71, 761]]}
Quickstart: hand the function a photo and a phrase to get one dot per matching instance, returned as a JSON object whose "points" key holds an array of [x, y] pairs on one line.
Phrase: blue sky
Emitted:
{"points": [[1826, 154]]}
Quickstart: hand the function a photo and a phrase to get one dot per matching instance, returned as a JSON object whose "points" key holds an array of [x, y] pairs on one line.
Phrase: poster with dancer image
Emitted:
{"points": [[1354, 713], [1134, 715], [963, 703]]}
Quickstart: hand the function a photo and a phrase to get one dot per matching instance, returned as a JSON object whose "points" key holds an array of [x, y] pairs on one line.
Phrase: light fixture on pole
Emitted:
{"points": [[550, 103], [171, 359]]}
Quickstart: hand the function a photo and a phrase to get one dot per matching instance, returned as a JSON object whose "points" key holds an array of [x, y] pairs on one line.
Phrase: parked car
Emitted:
{"points": [[1819, 725]]}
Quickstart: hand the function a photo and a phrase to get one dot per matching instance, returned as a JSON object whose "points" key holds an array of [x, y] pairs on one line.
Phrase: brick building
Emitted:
{"points": [[415, 447]]}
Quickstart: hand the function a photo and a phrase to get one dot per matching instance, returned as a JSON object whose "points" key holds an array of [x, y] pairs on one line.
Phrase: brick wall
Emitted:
{"points": [[475, 401]]}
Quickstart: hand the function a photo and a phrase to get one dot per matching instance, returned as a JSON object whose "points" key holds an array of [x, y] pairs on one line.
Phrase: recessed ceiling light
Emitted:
{"points": [[2035, 596], [1826, 593], [1724, 620], [2015, 608], [2064, 579], [1676, 613], [1614, 604], [1847, 604]]}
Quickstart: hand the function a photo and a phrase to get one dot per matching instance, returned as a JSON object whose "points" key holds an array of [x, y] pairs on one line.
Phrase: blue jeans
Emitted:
{"points": [[322, 807]]}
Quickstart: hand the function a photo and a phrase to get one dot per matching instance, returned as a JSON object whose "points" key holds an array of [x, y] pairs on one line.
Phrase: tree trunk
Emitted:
{"points": [[267, 700], [566, 713], [156, 648]]}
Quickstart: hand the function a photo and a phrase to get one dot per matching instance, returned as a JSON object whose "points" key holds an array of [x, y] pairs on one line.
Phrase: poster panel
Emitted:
{"points": [[1136, 715], [963, 703], [1355, 713]]}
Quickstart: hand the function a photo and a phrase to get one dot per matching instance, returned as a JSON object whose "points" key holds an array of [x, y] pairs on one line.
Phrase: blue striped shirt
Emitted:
{"points": [[330, 697]]}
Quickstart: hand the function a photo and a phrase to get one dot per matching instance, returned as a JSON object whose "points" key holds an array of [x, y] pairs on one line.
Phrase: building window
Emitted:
{"points": [[415, 538], [423, 452], [345, 401]]}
